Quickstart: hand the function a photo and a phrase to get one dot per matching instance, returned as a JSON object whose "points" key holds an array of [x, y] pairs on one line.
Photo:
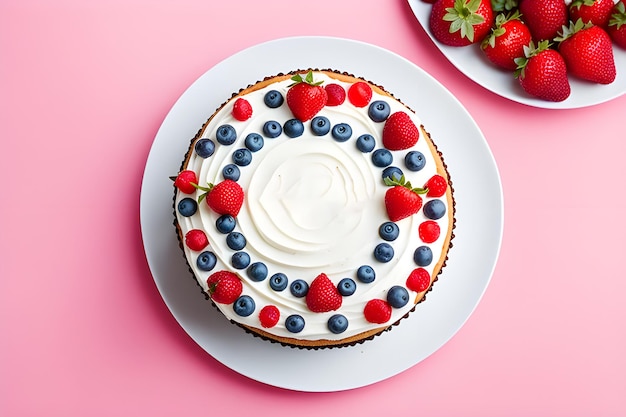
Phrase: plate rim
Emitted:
{"points": [[191, 329]]}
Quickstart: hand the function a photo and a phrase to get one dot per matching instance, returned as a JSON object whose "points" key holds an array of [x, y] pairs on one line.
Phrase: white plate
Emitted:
{"points": [[472, 259], [471, 62]]}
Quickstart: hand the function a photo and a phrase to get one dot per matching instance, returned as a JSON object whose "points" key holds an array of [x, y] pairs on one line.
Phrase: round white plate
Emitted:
{"points": [[471, 62], [455, 295]]}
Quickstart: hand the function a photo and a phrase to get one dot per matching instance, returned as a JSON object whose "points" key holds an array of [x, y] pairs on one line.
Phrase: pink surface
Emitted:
{"points": [[84, 87]]}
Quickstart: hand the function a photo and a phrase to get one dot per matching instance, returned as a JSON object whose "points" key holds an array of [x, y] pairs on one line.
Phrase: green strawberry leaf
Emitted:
{"points": [[463, 17], [502, 5], [619, 18], [402, 182], [205, 189], [308, 79]]}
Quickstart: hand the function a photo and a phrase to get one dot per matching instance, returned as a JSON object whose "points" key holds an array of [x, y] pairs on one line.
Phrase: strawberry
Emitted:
{"points": [[418, 280], [360, 94], [588, 52], [460, 22], [377, 311], [436, 186], [242, 110], [402, 200], [399, 132], [617, 25], [196, 239], [185, 181], [506, 41], [224, 287], [225, 197], [542, 72], [544, 17], [323, 295], [336, 94], [306, 97], [429, 231], [597, 12], [269, 316]]}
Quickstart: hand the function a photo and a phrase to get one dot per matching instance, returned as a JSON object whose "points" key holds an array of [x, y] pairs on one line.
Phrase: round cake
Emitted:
{"points": [[314, 209]]}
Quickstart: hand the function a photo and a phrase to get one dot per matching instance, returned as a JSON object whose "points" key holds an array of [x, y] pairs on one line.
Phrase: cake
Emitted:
{"points": [[313, 209]]}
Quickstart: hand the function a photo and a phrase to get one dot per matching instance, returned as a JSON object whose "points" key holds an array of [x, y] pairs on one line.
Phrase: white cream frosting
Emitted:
{"points": [[312, 205]]}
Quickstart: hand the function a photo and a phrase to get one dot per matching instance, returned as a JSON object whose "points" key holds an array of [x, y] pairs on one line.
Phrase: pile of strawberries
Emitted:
{"points": [[542, 42]]}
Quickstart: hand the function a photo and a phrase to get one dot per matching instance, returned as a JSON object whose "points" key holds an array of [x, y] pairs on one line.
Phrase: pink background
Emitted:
{"points": [[84, 87]]}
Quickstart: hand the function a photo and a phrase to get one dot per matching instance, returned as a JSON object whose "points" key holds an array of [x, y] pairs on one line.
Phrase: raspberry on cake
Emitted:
{"points": [[313, 236]]}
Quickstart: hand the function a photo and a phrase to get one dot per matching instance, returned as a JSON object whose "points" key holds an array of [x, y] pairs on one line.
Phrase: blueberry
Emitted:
{"points": [[337, 323], [206, 261], [244, 306], [294, 323], [225, 223], [393, 173], [320, 125], [240, 260], [378, 111], [397, 296], [205, 148], [273, 99], [383, 252], [365, 143], [365, 274], [272, 129], [346, 287], [299, 288], [414, 161], [187, 207], [389, 231], [226, 135], [257, 271], [236, 241], [293, 128], [423, 256], [242, 157], [382, 158], [254, 142], [278, 281], [231, 172], [434, 209], [341, 132]]}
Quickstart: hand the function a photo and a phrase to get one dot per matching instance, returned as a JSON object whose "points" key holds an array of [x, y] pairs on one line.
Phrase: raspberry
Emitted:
{"points": [[377, 311], [360, 94], [436, 185], [196, 239], [418, 280], [185, 180], [268, 316], [224, 287], [429, 231], [242, 110], [336, 94]]}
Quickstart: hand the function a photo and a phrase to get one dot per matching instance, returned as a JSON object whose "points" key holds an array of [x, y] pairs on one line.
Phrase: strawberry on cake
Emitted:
{"points": [[314, 210]]}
